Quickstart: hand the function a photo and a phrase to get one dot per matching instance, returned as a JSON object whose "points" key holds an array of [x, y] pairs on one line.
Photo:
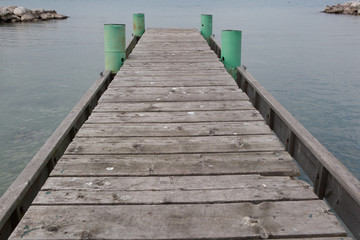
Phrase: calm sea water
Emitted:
{"points": [[308, 60]]}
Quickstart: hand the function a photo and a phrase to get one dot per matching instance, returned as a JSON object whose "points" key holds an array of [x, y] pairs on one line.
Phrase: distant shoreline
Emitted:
{"points": [[348, 8], [20, 14]]}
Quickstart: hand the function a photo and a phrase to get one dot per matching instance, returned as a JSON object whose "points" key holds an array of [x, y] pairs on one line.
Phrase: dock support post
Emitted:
{"points": [[139, 24], [115, 53], [206, 26], [231, 50]]}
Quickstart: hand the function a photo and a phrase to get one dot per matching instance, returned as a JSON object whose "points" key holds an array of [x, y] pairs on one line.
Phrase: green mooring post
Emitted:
{"points": [[115, 54], [139, 24], [231, 50], [206, 26]]}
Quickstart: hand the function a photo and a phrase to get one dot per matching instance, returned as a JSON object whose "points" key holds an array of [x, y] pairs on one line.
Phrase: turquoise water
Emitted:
{"points": [[308, 60]]}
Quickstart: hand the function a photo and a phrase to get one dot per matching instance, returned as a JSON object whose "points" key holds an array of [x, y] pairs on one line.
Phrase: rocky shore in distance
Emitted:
{"points": [[21, 14], [349, 8]]}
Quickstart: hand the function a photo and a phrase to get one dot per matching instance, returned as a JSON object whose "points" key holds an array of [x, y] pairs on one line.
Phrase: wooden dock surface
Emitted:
{"points": [[174, 150]]}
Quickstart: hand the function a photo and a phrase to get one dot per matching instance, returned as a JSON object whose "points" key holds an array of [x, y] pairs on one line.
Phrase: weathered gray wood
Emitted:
{"points": [[131, 45], [173, 65], [219, 221], [172, 190], [170, 52], [173, 129], [173, 106], [173, 81], [121, 76], [170, 73], [341, 187], [175, 117], [169, 82], [165, 145], [129, 96], [188, 94], [161, 48], [144, 57], [170, 150], [278, 163], [267, 185], [177, 90]]}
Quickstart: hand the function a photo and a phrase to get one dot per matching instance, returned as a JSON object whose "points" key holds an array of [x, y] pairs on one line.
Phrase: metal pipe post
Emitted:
{"points": [[206, 26], [139, 24], [231, 49], [115, 53]]}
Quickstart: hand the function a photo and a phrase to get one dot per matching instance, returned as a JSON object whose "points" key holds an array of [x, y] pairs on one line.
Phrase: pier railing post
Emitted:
{"points": [[231, 50], [139, 24], [206, 26], [115, 53]]}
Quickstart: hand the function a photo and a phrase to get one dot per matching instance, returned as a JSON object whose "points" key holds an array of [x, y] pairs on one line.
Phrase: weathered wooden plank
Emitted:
{"points": [[118, 197], [174, 106], [188, 94], [128, 96], [178, 90], [174, 44], [200, 60], [172, 190], [170, 73], [165, 145], [217, 77], [186, 221], [169, 31], [168, 82], [193, 65], [175, 117], [173, 67], [186, 183], [167, 52], [182, 47], [174, 81], [278, 163], [142, 56], [176, 38], [173, 129], [169, 34]]}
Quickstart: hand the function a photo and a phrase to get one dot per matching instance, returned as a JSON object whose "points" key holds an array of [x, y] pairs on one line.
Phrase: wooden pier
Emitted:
{"points": [[175, 150]]}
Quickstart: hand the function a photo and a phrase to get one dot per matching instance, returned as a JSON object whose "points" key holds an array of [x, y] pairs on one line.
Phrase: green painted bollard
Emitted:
{"points": [[231, 50], [139, 24], [206, 26], [115, 54]]}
